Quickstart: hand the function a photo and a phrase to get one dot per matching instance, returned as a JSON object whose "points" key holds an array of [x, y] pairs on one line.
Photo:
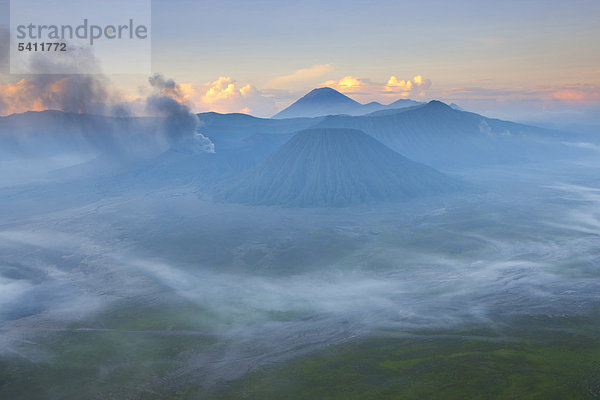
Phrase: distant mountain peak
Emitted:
{"points": [[325, 90], [321, 101], [438, 104], [405, 101], [327, 94], [328, 101]]}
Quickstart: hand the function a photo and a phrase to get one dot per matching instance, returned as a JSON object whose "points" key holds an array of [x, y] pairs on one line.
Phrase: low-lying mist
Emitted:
{"points": [[268, 283]]}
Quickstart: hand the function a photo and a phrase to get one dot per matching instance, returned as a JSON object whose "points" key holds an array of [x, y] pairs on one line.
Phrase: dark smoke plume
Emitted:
{"points": [[180, 123]]}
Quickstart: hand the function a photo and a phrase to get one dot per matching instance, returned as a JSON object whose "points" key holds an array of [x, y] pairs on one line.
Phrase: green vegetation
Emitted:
{"points": [[554, 358], [131, 351], [154, 353]]}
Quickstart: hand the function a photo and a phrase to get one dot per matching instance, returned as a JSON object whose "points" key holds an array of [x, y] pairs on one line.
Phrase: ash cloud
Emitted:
{"points": [[87, 92], [180, 123], [91, 93], [79, 93]]}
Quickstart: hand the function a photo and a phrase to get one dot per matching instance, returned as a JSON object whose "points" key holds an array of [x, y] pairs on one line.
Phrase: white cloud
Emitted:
{"points": [[302, 76]]}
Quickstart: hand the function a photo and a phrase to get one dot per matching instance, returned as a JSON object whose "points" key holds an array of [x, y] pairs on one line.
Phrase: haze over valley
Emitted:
{"points": [[239, 243], [349, 200]]}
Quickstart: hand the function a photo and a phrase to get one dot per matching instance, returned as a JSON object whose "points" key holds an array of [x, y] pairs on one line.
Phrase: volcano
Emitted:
{"points": [[335, 168], [321, 101], [327, 101]]}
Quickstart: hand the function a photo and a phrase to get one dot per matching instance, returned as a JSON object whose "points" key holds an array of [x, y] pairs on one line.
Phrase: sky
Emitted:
{"points": [[522, 60]]}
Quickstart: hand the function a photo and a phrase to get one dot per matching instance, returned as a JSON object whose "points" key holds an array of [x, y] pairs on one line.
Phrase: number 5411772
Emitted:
{"points": [[42, 46]]}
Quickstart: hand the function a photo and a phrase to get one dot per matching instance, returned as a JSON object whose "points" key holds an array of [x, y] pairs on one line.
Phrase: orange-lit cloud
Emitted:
{"points": [[394, 84], [537, 96], [20, 96], [366, 90], [302, 76], [225, 95], [576, 94], [346, 84], [222, 95], [75, 93], [404, 87]]}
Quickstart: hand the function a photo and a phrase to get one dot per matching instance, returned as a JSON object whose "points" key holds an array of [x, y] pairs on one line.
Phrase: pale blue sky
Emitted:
{"points": [[504, 58], [510, 42]]}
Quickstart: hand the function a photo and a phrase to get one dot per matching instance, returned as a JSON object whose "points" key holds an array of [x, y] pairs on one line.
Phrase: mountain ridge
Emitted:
{"points": [[327, 101]]}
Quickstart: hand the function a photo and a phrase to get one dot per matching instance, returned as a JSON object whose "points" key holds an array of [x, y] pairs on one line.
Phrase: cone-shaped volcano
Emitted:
{"points": [[335, 167]]}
